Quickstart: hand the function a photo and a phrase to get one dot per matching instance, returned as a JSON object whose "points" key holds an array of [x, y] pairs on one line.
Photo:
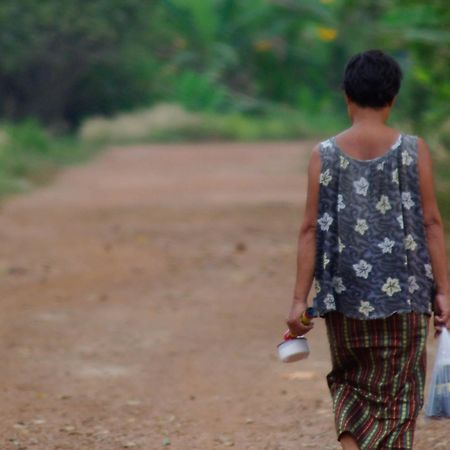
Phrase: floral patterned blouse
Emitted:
{"points": [[372, 257]]}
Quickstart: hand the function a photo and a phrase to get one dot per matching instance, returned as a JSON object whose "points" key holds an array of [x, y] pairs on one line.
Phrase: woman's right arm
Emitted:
{"points": [[435, 236]]}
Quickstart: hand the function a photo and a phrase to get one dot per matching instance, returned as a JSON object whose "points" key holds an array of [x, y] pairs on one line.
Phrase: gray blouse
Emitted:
{"points": [[372, 257]]}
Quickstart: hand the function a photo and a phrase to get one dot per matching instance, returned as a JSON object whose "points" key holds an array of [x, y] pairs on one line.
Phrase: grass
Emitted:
{"points": [[171, 123], [29, 156]]}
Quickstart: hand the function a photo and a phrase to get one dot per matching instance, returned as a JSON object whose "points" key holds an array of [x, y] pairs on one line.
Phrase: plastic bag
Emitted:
{"points": [[439, 393]]}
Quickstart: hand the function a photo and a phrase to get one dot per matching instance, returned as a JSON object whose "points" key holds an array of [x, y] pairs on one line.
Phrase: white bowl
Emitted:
{"points": [[293, 349]]}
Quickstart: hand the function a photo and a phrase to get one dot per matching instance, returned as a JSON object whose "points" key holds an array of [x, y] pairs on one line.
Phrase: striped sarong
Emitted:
{"points": [[377, 377]]}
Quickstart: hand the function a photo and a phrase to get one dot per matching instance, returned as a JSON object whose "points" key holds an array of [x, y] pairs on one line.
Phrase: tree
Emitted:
{"points": [[48, 47]]}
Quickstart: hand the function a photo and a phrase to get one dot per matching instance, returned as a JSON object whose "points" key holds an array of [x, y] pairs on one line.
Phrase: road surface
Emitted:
{"points": [[143, 295]]}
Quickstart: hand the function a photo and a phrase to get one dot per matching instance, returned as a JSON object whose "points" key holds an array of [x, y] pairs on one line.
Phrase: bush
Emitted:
{"points": [[139, 126], [171, 123], [197, 92]]}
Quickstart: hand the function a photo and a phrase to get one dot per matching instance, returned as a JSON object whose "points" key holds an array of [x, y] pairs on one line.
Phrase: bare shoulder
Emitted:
{"points": [[314, 165], [427, 183], [312, 195], [423, 149], [314, 159], [424, 161]]}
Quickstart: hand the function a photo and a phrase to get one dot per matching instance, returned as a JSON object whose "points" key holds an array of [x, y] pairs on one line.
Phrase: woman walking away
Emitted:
{"points": [[372, 241]]}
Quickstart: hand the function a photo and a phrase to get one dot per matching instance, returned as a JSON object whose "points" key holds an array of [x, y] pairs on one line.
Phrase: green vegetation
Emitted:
{"points": [[29, 156], [442, 174], [116, 71], [172, 123], [62, 63]]}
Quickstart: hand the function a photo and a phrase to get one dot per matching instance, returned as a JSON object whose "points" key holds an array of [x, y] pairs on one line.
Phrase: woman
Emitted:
{"points": [[372, 239]]}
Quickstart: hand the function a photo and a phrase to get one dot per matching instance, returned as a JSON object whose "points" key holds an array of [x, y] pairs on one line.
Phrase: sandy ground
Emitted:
{"points": [[143, 296]]}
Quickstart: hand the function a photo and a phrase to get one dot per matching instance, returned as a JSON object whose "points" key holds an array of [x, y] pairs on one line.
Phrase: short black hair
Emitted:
{"points": [[372, 79]]}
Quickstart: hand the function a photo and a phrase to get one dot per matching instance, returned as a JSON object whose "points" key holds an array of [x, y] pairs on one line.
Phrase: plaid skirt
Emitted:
{"points": [[378, 377]]}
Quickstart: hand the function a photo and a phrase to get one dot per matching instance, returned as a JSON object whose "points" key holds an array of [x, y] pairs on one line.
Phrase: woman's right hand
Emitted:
{"points": [[296, 327], [441, 312]]}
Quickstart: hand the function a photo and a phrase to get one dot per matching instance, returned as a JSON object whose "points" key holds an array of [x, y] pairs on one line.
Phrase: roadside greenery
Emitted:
{"points": [[109, 70], [62, 64], [30, 156], [172, 123]]}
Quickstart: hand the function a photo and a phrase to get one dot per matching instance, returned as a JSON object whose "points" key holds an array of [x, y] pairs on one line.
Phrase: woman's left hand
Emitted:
{"points": [[441, 312], [296, 328]]}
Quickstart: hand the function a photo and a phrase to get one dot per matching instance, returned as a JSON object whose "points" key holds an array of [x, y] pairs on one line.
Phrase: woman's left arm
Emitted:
{"points": [[306, 254]]}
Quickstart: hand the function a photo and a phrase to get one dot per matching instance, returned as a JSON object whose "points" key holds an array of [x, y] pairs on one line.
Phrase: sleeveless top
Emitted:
{"points": [[372, 258]]}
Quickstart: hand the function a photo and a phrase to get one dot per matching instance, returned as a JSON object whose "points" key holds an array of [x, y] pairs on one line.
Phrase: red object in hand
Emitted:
{"points": [[287, 335], [305, 319]]}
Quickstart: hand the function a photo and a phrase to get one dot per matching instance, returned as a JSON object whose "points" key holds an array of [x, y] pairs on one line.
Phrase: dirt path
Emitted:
{"points": [[142, 299]]}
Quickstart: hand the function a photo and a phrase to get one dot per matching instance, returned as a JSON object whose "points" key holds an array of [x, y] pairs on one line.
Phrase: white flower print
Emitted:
{"points": [[325, 260], [412, 284], [340, 204], [428, 271], [395, 176], [366, 308], [383, 204], [325, 177], [361, 226], [316, 286], [338, 285], [329, 302], [326, 144], [406, 158], [341, 245], [406, 260], [407, 200], [408, 300], [410, 243], [361, 186], [391, 286], [325, 221], [380, 166], [386, 245], [362, 269], [400, 221], [343, 162]]}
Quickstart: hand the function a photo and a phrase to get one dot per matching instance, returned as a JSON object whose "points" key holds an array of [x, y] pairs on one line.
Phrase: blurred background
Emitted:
{"points": [[127, 71], [144, 291]]}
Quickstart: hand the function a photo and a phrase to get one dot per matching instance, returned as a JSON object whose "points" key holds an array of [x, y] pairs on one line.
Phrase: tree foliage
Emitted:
{"points": [[62, 61], [50, 48]]}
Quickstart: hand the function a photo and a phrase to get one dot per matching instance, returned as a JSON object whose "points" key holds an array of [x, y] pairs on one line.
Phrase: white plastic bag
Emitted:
{"points": [[439, 394]]}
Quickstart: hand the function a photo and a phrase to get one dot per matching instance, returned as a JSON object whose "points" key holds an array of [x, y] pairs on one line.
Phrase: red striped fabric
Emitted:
{"points": [[378, 377]]}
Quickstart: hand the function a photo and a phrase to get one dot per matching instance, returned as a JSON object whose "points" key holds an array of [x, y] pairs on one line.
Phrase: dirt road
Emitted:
{"points": [[143, 296]]}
